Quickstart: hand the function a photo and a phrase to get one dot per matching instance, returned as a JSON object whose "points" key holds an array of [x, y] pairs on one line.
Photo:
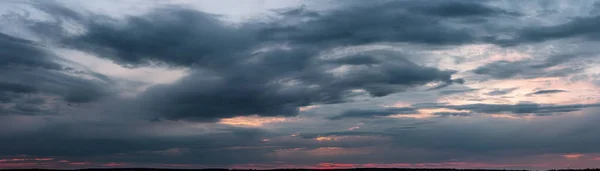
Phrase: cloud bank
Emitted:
{"points": [[467, 84]]}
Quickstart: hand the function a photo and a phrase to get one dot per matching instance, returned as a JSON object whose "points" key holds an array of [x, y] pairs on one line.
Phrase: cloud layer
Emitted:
{"points": [[467, 84]]}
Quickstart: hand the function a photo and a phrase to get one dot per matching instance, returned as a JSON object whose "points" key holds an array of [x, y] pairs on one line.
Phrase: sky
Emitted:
{"points": [[269, 84]]}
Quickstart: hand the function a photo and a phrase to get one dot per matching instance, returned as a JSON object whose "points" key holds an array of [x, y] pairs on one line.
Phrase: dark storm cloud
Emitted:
{"points": [[387, 21], [176, 36], [29, 69], [66, 142], [16, 88], [546, 92], [72, 89], [240, 70], [270, 88], [271, 68], [17, 52]]}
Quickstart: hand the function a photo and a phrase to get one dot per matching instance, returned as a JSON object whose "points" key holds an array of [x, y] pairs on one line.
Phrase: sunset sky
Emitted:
{"points": [[300, 84]]}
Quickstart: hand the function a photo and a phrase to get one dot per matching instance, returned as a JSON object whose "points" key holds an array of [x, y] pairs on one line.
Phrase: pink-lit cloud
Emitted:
{"points": [[573, 156]]}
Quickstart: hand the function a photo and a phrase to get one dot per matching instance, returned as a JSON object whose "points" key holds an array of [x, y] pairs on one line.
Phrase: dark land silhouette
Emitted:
{"points": [[356, 169]]}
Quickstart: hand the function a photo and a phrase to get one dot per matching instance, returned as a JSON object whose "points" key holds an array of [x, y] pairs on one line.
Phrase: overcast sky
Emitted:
{"points": [[288, 83]]}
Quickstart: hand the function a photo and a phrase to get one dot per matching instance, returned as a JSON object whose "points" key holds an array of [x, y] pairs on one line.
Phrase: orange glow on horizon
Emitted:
{"points": [[306, 108], [251, 121], [329, 138], [573, 156]]}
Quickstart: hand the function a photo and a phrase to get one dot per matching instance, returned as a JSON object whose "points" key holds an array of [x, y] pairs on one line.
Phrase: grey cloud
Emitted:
{"points": [[176, 36], [237, 71], [502, 69], [521, 108], [582, 27], [392, 21], [72, 89], [16, 88], [358, 60], [452, 113], [578, 24], [58, 10], [546, 92], [428, 105], [500, 92], [65, 142], [232, 95], [29, 106], [531, 68], [25, 54], [596, 9], [496, 138], [448, 83], [460, 9], [479, 108], [489, 139], [301, 11], [365, 113], [29, 69]]}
